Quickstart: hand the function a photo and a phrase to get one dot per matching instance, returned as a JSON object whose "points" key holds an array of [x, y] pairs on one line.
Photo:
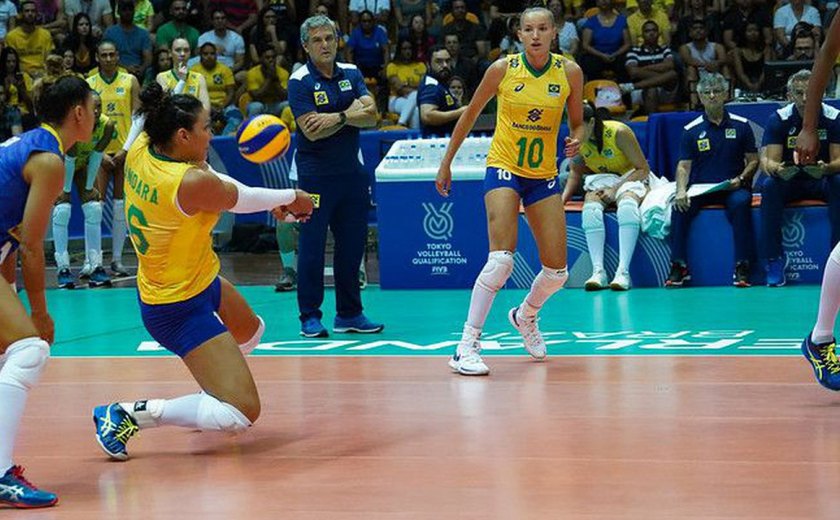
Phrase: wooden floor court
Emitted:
{"points": [[654, 404]]}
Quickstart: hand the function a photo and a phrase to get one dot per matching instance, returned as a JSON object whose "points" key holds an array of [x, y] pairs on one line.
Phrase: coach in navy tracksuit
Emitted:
{"points": [[330, 103]]}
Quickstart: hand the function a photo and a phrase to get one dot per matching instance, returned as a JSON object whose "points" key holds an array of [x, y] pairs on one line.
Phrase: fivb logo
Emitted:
{"points": [[438, 223], [793, 232]]}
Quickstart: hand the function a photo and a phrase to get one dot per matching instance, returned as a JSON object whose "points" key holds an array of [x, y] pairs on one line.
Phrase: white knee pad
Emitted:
{"points": [[61, 214], [496, 271], [93, 212], [592, 216], [554, 279], [218, 415], [25, 360], [628, 212], [252, 343]]}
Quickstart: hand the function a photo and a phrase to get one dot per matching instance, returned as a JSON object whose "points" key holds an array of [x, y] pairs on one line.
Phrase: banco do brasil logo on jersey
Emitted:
{"points": [[535, 114]]}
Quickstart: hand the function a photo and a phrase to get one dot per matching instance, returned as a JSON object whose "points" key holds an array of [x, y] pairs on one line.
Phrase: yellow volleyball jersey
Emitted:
{"points": [[610, 159], [116, 104], [174, 250], [192, 85], [530, 108]]}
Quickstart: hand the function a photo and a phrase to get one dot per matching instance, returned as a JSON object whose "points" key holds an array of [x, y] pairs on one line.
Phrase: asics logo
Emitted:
{"points": [[12, 492], [817, 365]]}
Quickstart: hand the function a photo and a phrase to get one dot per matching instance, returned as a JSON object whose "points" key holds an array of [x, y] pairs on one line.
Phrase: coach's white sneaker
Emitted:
{"points": [[531, 336], [597, 281], [467, 357], [621, 282]]}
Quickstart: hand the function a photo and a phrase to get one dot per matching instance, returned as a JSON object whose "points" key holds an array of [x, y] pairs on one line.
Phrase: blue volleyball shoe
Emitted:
{"points": [[114, 427], [360, 324], [823, 360], [18, 492]]}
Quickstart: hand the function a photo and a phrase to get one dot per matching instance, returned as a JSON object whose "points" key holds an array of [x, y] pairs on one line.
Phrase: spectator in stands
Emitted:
{"points": [[614, 172], [221, 88], [193, 83], [648, 12], [605, 40], [790, 14], [99, 11], [472, 36], [787, 182], [51, 17], [749, 58], [701, 57], [133, 43], [229, 45], [804, 47], [265, 33], [666, 6], [716, 147], [8, 17], [419, 36], [695, 10], [10, 119], [438, 109], [651, 70], [458, 89], [177, 27], [17, 83], [404, 75], [144, 15], [499, 20], [83, 44], [511, 44], [740, 15], [267, 84], [406, 10], [69, 62], [381, 10], [461, 66], [32, 42], [337, 12], [161, 62], [567, 36], [53, 68], [368, 48], [287, 26], [242, 15]]}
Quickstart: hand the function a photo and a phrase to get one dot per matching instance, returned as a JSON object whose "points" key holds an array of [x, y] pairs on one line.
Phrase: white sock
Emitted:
{"points": [[93, 232], [829, 299], [492, 278], [289, 260], [596, 236], [60, 224], [12, 404], [468, 337], [629, 222], [118, 230], [547, 282], [151, 413]]}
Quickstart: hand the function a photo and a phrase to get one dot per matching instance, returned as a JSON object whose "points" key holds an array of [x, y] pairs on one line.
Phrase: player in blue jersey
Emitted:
{"points": [[31, 178]]}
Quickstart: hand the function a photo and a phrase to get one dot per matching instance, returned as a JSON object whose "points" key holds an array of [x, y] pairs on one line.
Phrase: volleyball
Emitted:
{"points": [[263, 138]]}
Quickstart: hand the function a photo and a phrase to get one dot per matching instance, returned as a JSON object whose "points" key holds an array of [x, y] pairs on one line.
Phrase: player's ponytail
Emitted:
{"points": [[600, 114], [166, 114]]}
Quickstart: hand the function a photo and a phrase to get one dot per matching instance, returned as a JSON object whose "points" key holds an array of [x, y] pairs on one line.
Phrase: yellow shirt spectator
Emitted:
{"points": [[218, 80], [256, 79], [33, 48], [13, 97], [661, 4], [409, 73], [636, 20]]}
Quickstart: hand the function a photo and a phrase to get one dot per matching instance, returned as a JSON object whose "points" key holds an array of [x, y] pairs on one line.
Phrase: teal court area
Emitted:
{"points": [[710, 321]]}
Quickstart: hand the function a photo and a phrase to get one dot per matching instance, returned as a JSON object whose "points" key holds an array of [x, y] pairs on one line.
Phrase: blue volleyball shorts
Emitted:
{"points": [[180, 327], [530, 190]]}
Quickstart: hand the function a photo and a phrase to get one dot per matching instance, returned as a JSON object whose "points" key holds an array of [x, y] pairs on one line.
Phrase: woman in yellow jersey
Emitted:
{"points": [[194, 83], [173, 201], [533, 88], [615, 173]]}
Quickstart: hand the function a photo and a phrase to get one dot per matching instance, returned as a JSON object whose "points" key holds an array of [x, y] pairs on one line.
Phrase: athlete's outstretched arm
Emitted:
{"points": [[574, 107], [45, 174], [807, 144], [486, 90]]}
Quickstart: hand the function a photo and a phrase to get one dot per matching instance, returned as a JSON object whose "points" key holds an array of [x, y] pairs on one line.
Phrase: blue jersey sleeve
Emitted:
{"points": [[301, 98], [428, 94], [748, 137], [686, 148], [834, 131], [774, 132]]}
